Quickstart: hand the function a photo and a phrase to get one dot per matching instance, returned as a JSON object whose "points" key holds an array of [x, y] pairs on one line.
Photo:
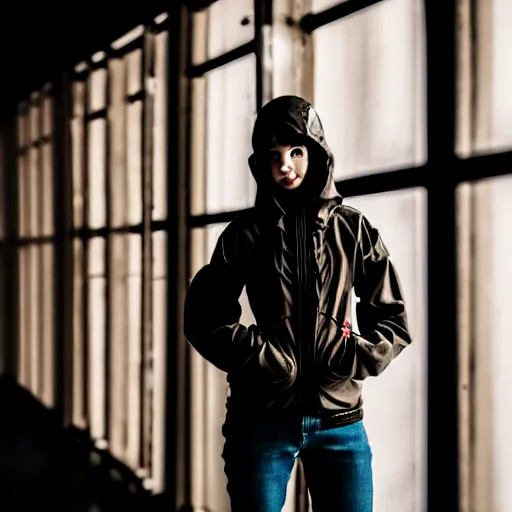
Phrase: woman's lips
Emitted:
{"points": [[290, 178]]}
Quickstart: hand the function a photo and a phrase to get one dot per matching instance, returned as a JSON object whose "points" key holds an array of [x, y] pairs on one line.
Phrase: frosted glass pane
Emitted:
{"points": [[47, 326], [35, 122], [134, 162], [33, 187], [160, 129], [160, 337], [494, 83], [231, 112], [489, 283], [46, 190], [96, 311], [225, 28], [97, 173], [134, 71], [98, 90], [395, 402], [369, 88]]}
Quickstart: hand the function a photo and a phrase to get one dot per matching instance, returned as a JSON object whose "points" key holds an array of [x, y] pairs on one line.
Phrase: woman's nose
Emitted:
{"points": [[286, 165]]}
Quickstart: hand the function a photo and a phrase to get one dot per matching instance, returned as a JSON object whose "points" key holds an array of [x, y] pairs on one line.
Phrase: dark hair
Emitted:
{"points": [[288, 137]]}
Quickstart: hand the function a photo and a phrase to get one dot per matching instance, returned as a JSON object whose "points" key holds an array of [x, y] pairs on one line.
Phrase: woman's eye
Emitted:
{"points": [[297, 153]]}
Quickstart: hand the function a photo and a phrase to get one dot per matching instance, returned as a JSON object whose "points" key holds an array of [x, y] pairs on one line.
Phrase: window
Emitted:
{"points": [[117, 247], [484, 299], [227, 25], [229, 113], [119, 203], [369, 86], [493, 130], [483, 293], [35, 248], [382, 76]]}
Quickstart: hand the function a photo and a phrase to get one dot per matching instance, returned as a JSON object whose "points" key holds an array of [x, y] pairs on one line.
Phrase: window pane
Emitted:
{"points": [[33, 302], [134, 353], [226, 28], [24, 318], [77, 153], [159, 357], [96, 342], [395, 403], [369, 88], [46, 190], [133, 62], [97, 90], [46, 335], [23, 204], [79, 354], [494, 76], [117, 142], [134, 162], [160, 129], [231, 112], [97, 208], [34, 194], [485, 299], [118, 323], [35, 121]]}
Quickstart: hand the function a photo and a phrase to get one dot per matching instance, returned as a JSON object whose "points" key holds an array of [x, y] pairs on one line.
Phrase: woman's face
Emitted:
{"points": [[289, 165]]}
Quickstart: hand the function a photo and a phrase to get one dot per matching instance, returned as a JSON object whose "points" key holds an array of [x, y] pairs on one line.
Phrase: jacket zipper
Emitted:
{"points": [[302, 294]]}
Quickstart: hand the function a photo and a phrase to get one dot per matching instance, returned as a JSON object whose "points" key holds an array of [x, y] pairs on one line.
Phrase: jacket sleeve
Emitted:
{"points": [[212, 309], [381, 314]]}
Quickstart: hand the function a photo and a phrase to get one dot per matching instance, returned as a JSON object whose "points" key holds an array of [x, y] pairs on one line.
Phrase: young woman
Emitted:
{"points": [[296, 375]]}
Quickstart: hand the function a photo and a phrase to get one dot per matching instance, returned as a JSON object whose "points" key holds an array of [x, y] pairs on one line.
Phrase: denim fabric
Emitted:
{"points": [[259, 456]]}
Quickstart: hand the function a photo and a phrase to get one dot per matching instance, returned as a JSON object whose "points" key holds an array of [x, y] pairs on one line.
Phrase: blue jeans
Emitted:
{"points": [[259, 456]]}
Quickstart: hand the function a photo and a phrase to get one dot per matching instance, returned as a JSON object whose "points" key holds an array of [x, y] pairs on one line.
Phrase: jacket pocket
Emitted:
{"points": [[337, 354], [274, 365]]}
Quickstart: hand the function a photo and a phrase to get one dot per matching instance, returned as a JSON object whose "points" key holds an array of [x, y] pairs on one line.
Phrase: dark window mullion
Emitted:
{"points": [[198, 70], [442, 452], [313, 21]]}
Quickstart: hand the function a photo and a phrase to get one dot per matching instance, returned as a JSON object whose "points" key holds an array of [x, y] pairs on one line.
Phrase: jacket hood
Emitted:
{"points": [[292, 120]]}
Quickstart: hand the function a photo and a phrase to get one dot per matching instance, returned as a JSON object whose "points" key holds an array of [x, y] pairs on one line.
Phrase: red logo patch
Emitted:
{"points": [[346, 329]]}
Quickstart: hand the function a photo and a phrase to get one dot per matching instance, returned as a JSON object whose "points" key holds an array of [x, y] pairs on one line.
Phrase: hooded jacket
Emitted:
{"points": [[299, 254]]}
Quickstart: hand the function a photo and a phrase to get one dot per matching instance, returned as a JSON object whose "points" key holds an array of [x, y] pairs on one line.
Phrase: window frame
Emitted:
{"points": [[65, 232]]}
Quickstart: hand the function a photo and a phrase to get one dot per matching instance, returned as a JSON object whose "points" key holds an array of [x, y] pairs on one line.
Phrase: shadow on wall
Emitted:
{"points": [[44, 466]]}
